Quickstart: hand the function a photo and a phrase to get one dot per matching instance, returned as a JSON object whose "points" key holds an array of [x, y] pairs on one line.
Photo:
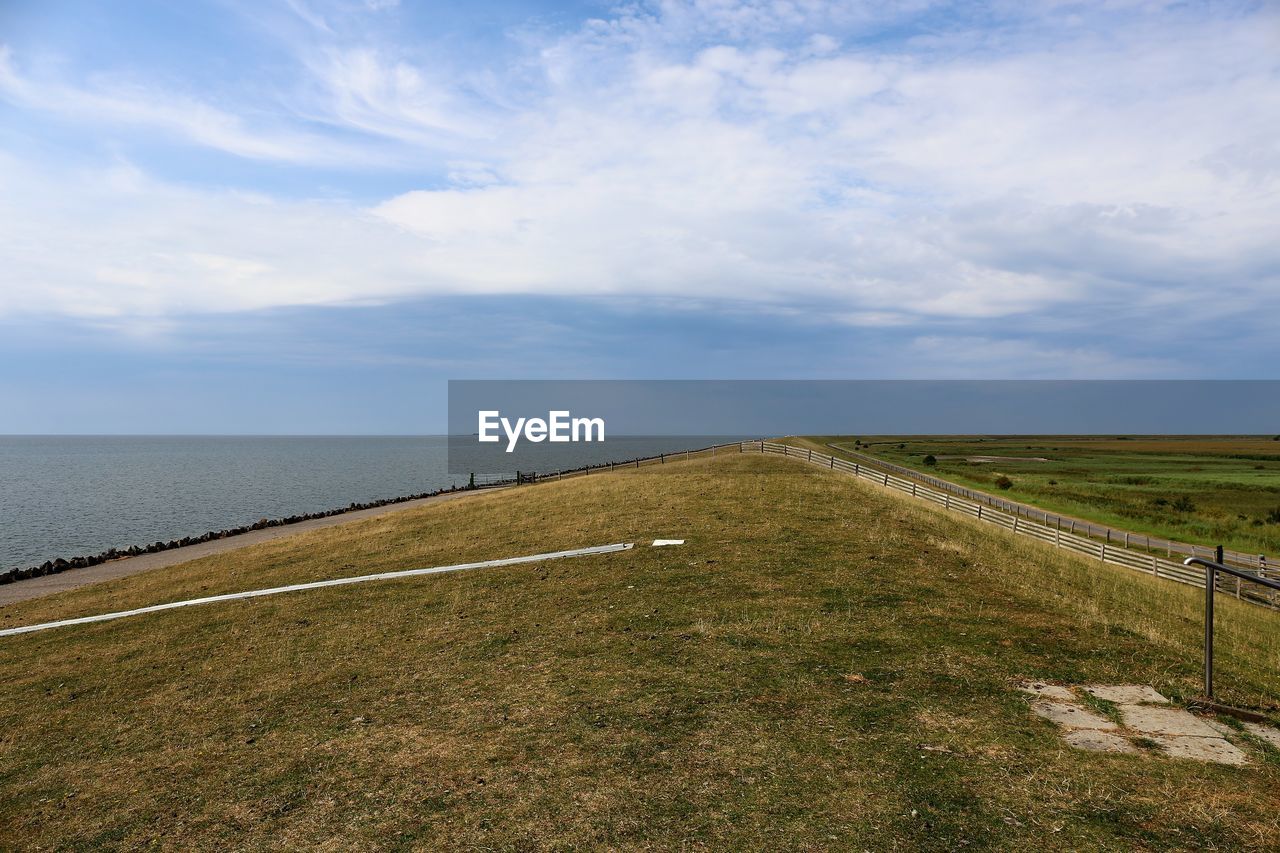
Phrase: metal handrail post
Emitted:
{"points": [[1210, 587], [1211, 572]]}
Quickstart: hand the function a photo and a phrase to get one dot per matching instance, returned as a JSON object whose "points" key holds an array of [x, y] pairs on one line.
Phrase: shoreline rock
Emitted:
{"points": [[52, 567]]}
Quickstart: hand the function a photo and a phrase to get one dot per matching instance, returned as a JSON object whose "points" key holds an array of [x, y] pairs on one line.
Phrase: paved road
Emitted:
{"points": [[75, 578]]}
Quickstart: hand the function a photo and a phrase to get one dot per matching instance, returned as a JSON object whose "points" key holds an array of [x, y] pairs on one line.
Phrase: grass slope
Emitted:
{"points": [[1206, 490], [824, 665]]}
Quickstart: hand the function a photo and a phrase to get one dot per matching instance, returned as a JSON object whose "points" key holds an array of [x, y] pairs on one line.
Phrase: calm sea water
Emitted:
{"points": [[63, 496]]}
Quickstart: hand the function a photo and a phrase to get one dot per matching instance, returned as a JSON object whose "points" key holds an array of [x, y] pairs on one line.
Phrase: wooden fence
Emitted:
{"points": [[1051, 533], [1048, 528], [1254, 562]]}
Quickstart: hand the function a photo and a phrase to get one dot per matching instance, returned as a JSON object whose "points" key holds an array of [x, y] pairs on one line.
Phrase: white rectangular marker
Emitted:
{"points": [[658, 543]]}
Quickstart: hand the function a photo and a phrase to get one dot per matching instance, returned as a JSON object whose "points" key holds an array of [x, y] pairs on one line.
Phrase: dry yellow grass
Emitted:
{"points": [[770, 684]]}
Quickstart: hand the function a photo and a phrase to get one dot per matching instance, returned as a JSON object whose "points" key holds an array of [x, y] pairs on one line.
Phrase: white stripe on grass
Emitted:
{"points": [[257, 593]]}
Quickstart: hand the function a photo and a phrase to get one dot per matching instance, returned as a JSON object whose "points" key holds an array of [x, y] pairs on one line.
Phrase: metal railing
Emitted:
{"points": [[1212, 568]]}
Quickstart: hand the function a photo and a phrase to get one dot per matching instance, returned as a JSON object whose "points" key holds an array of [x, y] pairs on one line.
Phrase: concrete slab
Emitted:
{"points": [[1096, 741], [1048, 691], [1164, 721], [1268, 733], [1221, 728], [1126, 694], [1071, 716], [1213, 749]]}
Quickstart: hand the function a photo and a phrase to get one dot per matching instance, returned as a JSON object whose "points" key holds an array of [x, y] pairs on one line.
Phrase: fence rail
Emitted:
{"points": [[1049, 530], [1256, 562]]}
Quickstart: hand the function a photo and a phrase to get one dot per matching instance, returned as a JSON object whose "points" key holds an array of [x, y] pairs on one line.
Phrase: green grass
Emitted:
{"points": [[823, 665], [1203, 490]]}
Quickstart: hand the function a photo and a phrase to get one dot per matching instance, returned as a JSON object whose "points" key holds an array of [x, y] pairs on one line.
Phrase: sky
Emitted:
{"points": [[305, 216]]}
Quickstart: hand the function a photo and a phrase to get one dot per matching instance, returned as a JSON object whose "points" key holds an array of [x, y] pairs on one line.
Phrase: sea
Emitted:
{"points": [[67, 496]]}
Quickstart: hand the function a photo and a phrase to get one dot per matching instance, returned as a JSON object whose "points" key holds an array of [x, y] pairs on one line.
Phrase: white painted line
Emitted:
{"points": [[658, 543], [256, 593]]}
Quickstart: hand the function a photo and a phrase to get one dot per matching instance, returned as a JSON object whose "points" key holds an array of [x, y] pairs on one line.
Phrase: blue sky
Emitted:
{"points": [[307, 215]]}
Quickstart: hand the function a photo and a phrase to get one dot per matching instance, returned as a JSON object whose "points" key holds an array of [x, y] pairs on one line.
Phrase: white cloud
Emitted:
{"points": [[359, 89], [113, 103], [760, 151]]}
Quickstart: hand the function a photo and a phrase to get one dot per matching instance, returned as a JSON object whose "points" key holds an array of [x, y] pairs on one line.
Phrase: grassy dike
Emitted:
{"points": [[823, 665]]}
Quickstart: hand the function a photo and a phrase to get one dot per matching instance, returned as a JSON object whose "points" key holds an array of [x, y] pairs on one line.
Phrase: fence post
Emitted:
{"points": [[1015, 524], [855, 470], [832, 457], [1210, 583], [946, 500], [1155, 562], [1102, 552], [979, 512]]}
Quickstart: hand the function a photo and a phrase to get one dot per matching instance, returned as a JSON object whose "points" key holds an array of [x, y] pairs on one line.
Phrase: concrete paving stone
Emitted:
{"points": [[1070, 716], [1221, 728], [1096, 741], [1049, 691], [1164, 721], [1213, 749], [1268, 733], [1126, 694]]}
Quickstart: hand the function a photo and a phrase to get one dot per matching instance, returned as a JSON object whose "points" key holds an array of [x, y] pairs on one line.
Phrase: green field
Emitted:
{"points": [[1201, 490], [824, 665]]}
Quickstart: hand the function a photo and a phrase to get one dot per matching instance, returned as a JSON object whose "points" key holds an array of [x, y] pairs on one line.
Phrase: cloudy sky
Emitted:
{"points": [[306, 215]]}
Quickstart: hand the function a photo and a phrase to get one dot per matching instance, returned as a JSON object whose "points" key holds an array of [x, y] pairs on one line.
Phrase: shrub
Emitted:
{"points": [[1004, 482], [1273, 516], [1184, 504], [1053, 482], [931, 460]]}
